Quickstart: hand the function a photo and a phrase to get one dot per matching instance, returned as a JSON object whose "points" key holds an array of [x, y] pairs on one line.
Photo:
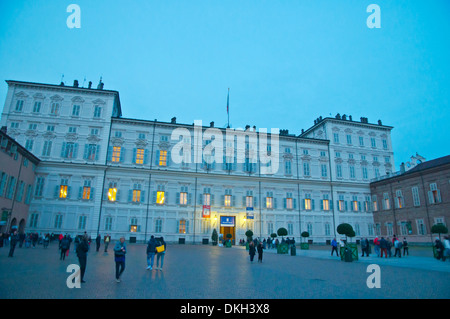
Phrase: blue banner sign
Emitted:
{"points": [[227, 221]]}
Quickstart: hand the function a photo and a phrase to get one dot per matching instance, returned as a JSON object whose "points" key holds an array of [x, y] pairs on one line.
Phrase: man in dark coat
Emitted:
{"points": [[14, 241], [82, 250], [97, 241], [383, 247], [251, 250]]}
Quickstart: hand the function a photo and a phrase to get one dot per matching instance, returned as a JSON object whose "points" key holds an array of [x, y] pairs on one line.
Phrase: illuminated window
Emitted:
{"points": [[206, 199], [326, 204], [227, 201], [182, 226], [112, 192], [374, 203], [386, 203], [136, 195], [341, 205], [86, 190], [63, 189], [116, 154], [308, 204], [183, 198], [162, 158], [399, 199], [289, 204], [269, 202], [160, 198], [140, 156], [355, 205]]}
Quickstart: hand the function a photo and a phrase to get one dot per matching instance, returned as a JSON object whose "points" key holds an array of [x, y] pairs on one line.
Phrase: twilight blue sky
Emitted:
{"points": [[285, 62]]}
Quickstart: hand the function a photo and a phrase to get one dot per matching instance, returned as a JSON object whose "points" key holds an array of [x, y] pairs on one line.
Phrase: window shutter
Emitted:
{"points": [[118, 195], [233, 201], [200, 199], [143, 197], [187, 226], [331, 204], [63, 149], [294, 203], [80, 192], [97, 152], [154, 197], [178, 198], [438, 196], [321, 204], [122, 154], [130, 195], [157, 158], [92, 193], [312, 204], [284, 203], [168, 159], [222, 200], [189, 199], [430, 197], [110, 151], [56, 194], [274, 202], [86, 151], [178, 227], [255, 201], [211, 197], [75, 150], [145, 157], [134, 155], [346, 206], [244, 201]]}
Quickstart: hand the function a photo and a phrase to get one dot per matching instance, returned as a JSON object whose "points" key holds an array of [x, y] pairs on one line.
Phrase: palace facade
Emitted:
{"points": [[103, 173]]}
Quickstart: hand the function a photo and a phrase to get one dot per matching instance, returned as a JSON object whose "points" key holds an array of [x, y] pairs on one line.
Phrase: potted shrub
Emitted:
{"points": [[249, 235], [214, 237], [438, 229], [347, 230], [304, 245], [283, 247], [228, 243]]}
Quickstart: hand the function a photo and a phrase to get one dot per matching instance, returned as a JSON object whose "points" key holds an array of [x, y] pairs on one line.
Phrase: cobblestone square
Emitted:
{"points": [[207, 272]]}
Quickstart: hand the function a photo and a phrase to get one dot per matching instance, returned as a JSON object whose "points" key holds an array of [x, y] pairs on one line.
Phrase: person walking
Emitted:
{"points": [[376, 245], [439, 249], [151, 250], [82, 250], [106, 240], [389, 246], [64, 246], [46, 241], [365, 247], [14, 241], [398, 248], [120, 249], [97, 241], [405, 247], [260, 249], [334, 247], [383, 247], [251, 250], [160, 255]]}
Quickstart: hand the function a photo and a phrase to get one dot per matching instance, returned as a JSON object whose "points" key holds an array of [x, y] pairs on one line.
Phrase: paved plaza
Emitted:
{"points": [[200, 272]]}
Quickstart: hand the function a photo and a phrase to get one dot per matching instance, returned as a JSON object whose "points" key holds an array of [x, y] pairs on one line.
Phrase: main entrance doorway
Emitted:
{"points": [[227, 226]]}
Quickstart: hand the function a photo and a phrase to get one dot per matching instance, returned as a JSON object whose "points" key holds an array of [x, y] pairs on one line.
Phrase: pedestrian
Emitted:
{"points": [[106, 240], [365, 247], [439, 249], [260, 252], [161, 254], [82, 250], [14, 241], [389, 246], [446, 247], [405, 247], [151, 250], [383, 247], [334, 247], [251, 251], [120, 249], [46, 241], [64, 246], [376, 245], [97, 241], [398, 248], [70, 242]]}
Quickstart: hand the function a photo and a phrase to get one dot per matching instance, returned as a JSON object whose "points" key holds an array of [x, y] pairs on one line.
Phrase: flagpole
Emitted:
{"points": [[228, 106]]}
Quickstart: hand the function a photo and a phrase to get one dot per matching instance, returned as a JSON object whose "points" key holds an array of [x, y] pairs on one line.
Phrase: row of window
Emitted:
{"points": [[55, 108], [434, 197], [361, 141], [8, 186]]}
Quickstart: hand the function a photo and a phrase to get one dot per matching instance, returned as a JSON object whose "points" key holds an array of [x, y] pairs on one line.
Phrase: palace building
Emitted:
{"points": [[102, 173]]}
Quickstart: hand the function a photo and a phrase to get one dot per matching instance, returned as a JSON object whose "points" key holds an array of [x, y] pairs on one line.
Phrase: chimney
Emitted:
{"points": [[247, 127], [254, 128], [211, 124], [90, 85], [75, 83], [173, 120], [402, 168], [350, 118], [379, 122]]}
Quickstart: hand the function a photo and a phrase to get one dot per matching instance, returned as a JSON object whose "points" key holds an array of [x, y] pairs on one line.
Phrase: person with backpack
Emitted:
{"points": [[405, 247], [65, 244], [82, 249], [120, 249], [151, 250], [160, 254], [398, 248]]}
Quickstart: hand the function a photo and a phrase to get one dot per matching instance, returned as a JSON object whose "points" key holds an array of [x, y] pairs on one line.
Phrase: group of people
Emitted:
{"points": [[253, 247], [442, 248], [382, 246]]}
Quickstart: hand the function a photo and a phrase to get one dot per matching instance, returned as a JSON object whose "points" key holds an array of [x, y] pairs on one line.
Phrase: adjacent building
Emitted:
{"points": [[103, 173], [410, 202], [17, 177]]}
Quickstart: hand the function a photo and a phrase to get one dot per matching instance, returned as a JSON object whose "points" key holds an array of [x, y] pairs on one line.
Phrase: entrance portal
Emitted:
{"points": [[227, 226]]}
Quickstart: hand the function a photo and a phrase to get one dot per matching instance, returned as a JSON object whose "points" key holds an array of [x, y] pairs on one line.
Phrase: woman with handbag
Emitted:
{"points": [[160, 253]]}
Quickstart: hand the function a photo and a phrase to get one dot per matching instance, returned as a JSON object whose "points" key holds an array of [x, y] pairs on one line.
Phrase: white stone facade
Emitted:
{"points": [[320, 182]]}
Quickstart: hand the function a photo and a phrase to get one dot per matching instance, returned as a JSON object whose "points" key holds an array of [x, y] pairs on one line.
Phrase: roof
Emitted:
{"points": [[430, 164]]}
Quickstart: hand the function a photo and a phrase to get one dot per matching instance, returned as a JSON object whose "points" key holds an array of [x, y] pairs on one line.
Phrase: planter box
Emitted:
{"points": [[205, 241], [354, 251], [282, 249], [181, 241], [228, 244], [304, 246]]}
